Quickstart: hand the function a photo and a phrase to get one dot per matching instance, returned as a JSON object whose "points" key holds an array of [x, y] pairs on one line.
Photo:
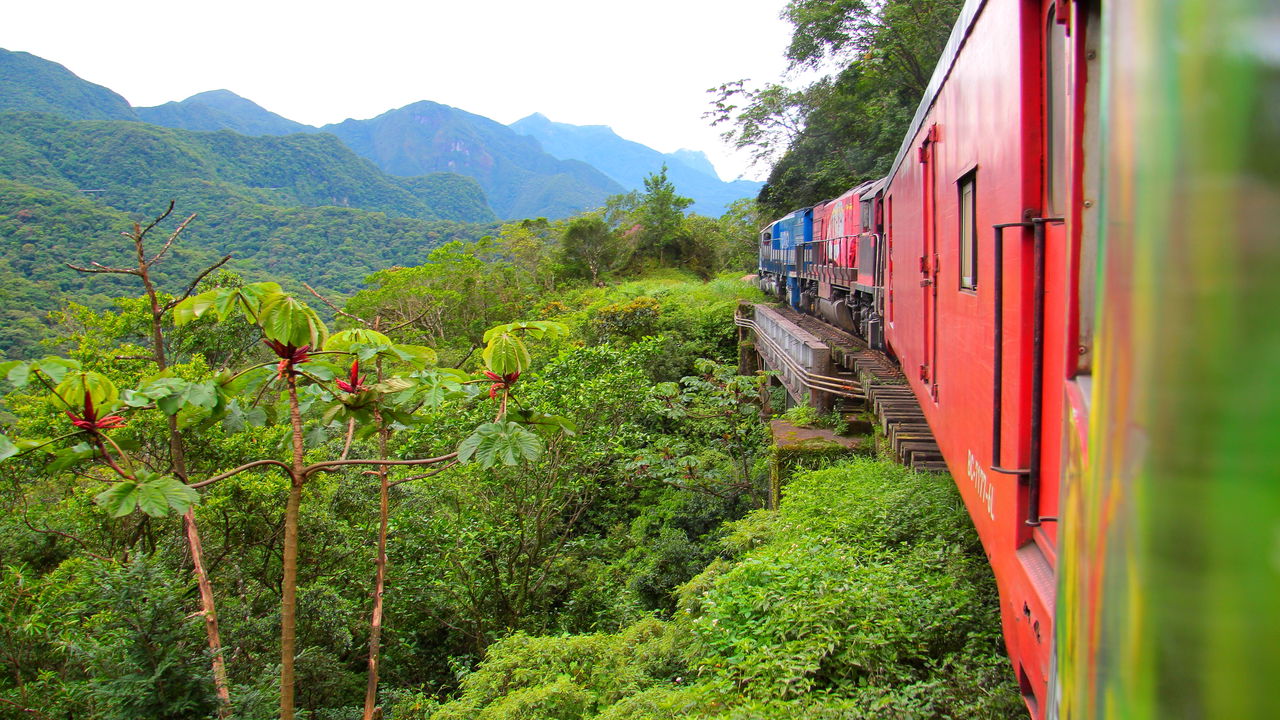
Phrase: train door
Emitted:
{"points": [[929, 263]]}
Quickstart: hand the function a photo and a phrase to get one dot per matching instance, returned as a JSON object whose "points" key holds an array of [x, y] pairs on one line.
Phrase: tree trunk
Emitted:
{"points": [[179, 457], [289, 583], [380, 576], [221, 686]]}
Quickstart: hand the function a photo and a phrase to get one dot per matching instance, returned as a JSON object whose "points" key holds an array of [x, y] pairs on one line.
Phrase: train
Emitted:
{"points": [[1075, 262]]}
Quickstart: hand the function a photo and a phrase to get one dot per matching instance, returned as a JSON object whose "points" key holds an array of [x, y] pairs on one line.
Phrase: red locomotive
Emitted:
{"points": [[1087, 194]]}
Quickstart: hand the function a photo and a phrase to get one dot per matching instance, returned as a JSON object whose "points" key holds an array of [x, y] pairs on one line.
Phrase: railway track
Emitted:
{"points": [[887, 395]]}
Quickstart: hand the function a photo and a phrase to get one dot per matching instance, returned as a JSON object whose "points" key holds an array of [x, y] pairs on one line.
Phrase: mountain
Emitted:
{"points": [[519, 179], [695, 159], [35, 84], [221, 110], [130, 165], [628, 162]]}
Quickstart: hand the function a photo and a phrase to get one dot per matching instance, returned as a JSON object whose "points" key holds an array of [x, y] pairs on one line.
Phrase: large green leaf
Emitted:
{"points": [[540, 421], [237, 417], [18, 373], [56, 368], [119, 499], [505, 354], [504, 442], [67, 457], [288, 320], [532, 328], [434, 386], [153, 494], [344, 340], [226, 302], [76, 384], [7, 448], [418, 355]]}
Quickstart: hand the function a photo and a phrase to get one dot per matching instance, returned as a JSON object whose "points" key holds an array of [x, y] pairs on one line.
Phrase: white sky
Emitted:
{"points": [[639, 66]]}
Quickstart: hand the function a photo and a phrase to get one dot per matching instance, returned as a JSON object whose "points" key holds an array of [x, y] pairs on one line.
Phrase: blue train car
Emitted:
{"points": [[780, 243]]}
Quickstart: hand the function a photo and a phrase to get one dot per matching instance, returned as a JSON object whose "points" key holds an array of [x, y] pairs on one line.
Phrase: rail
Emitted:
{"points": [[793, 371]]}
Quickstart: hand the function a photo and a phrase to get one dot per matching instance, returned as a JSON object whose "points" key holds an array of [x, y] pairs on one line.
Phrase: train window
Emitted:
{"points": [[1056, 105], [968, 232]]}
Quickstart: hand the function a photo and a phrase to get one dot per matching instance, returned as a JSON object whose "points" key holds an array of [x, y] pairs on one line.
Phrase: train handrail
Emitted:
{"points": [[808, 378], [1032, 471]]}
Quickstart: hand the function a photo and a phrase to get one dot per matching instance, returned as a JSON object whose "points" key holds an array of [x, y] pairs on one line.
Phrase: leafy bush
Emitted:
{"points": [[865, 595]]}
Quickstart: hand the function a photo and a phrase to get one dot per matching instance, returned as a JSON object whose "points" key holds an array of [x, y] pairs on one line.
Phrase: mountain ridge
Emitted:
{"points": [[221, 110], [628, 162]]}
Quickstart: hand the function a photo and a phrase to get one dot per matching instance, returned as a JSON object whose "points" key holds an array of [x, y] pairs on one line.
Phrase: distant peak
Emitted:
{"points": [[222, 93]]}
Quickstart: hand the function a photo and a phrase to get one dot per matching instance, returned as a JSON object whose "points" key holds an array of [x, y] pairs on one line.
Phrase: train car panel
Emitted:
{"points": [[950, 185]]}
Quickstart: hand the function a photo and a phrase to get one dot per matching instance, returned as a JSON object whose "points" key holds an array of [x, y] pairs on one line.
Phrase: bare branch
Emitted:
{"points": [[99, 268], [172, 236], [407, 323], [337, 463], [237, 471], [437, 471], [351, 434], [191, 288], [142, 232], [335, 308]]}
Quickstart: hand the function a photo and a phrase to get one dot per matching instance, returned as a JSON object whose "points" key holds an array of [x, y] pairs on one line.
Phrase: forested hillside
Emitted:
{"points": [[127, 165], [517, 176], [33, 84], [221, 110], [847, 126], [331, 248], [297, 208]]}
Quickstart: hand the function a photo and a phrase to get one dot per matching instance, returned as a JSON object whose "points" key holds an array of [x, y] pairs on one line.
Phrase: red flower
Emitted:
{"points": [[355, 381], [500, 382], [289, 356], [90, 422]]}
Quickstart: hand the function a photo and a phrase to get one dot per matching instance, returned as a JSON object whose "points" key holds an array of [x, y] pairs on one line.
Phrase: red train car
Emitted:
{"points": [[982, 286], [836, 267], [1082, 163]]}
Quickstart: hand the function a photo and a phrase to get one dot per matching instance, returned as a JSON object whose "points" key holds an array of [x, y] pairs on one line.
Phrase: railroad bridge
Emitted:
{"points": [[832, 370]]}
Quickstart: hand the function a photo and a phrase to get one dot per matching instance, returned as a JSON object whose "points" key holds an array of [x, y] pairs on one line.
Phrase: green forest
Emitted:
{"points": [[395, 459], [575, 526]]}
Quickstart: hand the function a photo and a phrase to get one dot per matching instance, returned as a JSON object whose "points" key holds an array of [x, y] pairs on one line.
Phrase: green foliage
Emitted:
{"points": [[661, 213], [449, 301], [865, 595], [504, 442], [103, 640], [803, 416], [31, 83], [153, 494], [568, 678], [847, 126], [590, 247], [629, 320]]}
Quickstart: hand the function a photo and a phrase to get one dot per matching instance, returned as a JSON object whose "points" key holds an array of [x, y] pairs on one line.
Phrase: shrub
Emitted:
{"points": [[865, 595]]}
